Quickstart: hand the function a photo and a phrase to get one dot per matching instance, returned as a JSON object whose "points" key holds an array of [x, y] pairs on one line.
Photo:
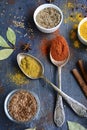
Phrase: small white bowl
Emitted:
{"points": [[7, 100], [41, 7], [79, 35]]}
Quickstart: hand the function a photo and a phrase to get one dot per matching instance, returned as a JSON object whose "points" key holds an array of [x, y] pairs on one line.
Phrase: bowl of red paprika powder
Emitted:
{"points": [[22, 106]]}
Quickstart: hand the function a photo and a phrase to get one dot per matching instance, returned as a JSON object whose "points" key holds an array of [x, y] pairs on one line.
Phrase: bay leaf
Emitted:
{"points": [[3, 43], [5, 53], [31, 128], [75, 126], [11, 36]]}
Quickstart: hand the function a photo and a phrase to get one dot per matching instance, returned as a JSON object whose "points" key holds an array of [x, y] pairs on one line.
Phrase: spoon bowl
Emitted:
{"points": [[60, 63], [20, 56]]}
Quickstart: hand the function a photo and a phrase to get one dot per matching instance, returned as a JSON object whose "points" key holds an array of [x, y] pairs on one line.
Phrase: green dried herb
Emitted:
{"points": [[11, 36], [75, 126], [5, 53], [3, 43]]}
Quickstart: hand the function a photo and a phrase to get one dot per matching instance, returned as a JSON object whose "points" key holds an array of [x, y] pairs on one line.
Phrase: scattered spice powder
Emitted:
{"points": [[18, 24], [45, 47], [59, 48], [73, 36], [22, 106], [18, 78], [45, 44]]}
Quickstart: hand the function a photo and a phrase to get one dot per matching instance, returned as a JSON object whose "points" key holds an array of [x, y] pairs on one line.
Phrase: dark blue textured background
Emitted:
{"points": [[22, 10]]}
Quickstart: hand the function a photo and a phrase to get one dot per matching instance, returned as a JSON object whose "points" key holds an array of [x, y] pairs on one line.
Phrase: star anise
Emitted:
{"points": [[26, 47]]}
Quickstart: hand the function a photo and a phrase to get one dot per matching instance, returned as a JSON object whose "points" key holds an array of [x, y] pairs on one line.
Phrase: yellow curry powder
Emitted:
{"points": [[18, 78], [83, 30], [31, 67]]}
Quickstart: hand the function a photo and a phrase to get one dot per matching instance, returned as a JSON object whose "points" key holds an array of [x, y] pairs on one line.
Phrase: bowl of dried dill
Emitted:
{"points": [[22, 106], [48, 17]]}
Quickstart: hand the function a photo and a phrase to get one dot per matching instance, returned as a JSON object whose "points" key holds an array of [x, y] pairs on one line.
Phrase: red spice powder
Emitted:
{"points": [[59, 48], [45, 44], [45, 47]]}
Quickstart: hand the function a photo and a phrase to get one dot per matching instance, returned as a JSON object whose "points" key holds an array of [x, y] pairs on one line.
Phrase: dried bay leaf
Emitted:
{"points": [[75, 126], [5, 53], [11, 36], [3, 43]]}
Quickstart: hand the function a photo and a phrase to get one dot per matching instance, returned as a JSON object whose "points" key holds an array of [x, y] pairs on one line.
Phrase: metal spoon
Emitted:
{"points": [[59, 115], [77, 107]]}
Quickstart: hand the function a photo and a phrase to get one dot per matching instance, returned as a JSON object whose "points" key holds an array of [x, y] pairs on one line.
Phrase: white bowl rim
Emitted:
{"points": [[8, 98], [43, 7], [81, 22]]}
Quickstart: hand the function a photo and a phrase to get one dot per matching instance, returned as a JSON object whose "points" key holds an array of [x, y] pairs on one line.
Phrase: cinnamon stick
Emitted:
{"points": [[80, 81], [83, 71]]}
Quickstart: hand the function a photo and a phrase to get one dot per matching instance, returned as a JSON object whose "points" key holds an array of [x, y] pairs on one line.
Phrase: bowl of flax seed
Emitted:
{"points": [[21, 106]]}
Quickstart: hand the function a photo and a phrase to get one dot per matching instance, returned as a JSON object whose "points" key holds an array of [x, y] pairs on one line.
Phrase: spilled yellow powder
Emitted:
{"points": [[74, 17], [70, 5], [73, 36], [18, 78], [77, 44]]}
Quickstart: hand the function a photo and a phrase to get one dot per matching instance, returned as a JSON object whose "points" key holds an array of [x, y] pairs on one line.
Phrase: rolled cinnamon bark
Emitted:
{"points": [[80, 81], [83, 71]]}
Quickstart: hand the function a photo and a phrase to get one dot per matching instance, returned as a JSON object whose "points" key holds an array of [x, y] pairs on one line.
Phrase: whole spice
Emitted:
{"points": [[22, 106], [83, 30], [81, 66], [80, 81], [31, 67], [59, 48]]}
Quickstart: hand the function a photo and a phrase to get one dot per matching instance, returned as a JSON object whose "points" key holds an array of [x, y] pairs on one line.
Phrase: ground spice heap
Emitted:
{"points": [[31, 67], [22, 106], [83, 30], [59, 48]]}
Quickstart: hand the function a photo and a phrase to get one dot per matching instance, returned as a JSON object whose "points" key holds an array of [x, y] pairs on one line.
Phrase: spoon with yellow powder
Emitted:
{"points": [[34, 69]]}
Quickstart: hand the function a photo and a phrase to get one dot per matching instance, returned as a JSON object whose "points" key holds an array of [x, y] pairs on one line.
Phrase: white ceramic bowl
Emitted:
{"points": [[79, 35], [41, 7], [7, 100]]}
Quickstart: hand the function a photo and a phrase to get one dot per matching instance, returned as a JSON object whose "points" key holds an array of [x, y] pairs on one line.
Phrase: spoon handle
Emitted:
{"points": [[59, 115], [77, 107]]}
